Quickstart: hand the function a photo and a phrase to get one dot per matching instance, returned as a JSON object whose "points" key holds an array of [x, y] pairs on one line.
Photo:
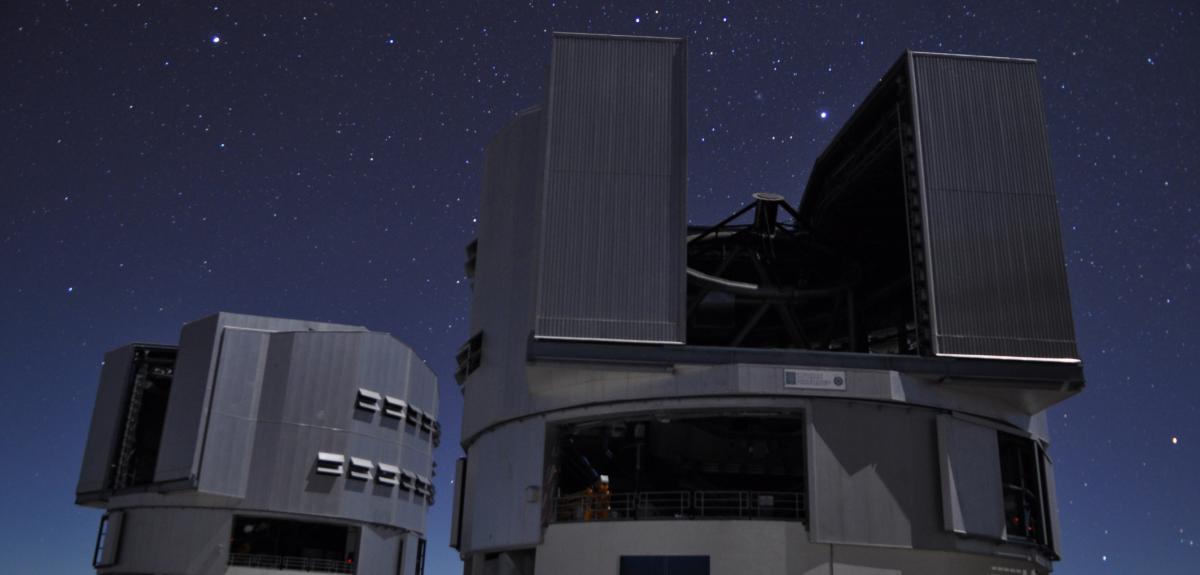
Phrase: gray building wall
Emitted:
{"points": [[752, 548], [309, 390], [199, 343], [277, 393], [106, 424], [505, 281], [611, 136], [546, 386], [896, 478], [173, 541], [503, 505]]}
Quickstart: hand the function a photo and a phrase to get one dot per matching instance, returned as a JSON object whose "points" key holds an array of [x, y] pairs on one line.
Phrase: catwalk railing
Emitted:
{"points": [[290, 563], [784, 505]]}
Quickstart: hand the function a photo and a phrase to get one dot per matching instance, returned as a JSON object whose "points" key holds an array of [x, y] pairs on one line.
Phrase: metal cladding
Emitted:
{"points": [[988, 278], [996, 269], [316, 423], [868, 371], [613, 215]]}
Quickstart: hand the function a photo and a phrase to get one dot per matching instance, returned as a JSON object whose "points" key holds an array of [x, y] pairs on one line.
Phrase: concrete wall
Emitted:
{"points": [[747, 548], [735, 547]]}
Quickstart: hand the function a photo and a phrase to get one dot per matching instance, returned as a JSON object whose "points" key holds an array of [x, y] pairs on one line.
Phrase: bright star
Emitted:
{"points": [[1174, 440], [824, 115], [216, 39], [70, 289]]}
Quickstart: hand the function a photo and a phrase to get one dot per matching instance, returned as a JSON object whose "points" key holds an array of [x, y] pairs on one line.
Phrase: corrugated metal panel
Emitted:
{"points": [[613, 213], [997, 277]]}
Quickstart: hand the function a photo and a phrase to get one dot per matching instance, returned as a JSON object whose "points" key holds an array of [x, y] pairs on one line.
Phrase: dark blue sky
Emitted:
{"points": [[159, 163]]}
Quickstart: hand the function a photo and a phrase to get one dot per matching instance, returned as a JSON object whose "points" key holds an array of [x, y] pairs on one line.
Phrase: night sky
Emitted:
{"points": [[160, 163]]}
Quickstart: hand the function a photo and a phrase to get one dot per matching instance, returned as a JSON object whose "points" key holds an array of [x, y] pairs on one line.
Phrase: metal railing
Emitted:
{"points": [[290, 563], [786, 505]]}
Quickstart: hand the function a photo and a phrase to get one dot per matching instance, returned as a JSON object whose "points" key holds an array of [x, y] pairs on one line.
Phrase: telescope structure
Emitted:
{"points": [[261, 445], [856, 384]]}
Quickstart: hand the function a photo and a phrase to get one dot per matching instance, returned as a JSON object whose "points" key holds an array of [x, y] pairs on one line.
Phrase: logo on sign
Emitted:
{"points": [[814, 379]]}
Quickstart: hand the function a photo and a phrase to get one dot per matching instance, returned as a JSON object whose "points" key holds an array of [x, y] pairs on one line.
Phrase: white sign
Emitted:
{"points": [[814, 379]]}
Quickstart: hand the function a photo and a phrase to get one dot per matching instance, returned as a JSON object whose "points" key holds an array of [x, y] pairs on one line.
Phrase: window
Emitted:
{"points": [[368, 400], [300, 545], [422, 485], [361, 468], [330, 463], [108, 539], [690, 465], [1022, 479], [472, 254], [394, 407], [664, 565], [408, 480], [420, 570], [388, 474], [469, 357], [414, 415], [426, 422], [400, 559]]}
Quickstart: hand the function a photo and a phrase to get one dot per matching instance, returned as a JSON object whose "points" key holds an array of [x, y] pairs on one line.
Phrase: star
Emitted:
{"points": [[216, 39], [824, 114]]}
